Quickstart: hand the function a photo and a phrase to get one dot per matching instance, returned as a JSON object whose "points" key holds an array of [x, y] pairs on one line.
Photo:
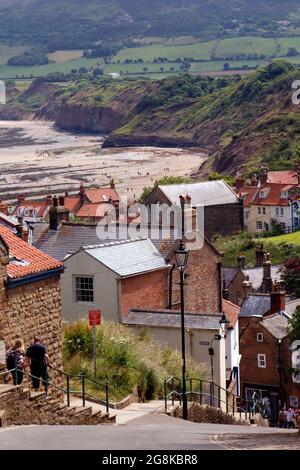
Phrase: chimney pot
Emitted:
{"points": [[21, 198], [112, 183]]}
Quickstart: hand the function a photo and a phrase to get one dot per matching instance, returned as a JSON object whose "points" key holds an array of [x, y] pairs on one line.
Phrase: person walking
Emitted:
{"points": [[15, 361], [290, 418], [39, 362]]}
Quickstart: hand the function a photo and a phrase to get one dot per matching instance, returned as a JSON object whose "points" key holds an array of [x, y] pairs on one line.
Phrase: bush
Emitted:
{"points": [[127, 361]]}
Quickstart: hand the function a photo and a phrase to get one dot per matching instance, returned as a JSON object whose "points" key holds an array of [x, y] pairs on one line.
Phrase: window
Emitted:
{"points": [[84, 289], [284, 194], [259, 225], [264, 210], [261, 361], [277, 210], [259, 210], [262, 194], [281, 211], [26, 212], [260, 337], [294, 402]]}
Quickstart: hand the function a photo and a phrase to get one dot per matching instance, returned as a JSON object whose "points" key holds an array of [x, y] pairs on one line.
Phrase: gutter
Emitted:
{"points": [[11, 283]]}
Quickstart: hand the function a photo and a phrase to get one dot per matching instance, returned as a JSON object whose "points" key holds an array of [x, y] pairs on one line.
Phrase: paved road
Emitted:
{"points": [[151, 432]]}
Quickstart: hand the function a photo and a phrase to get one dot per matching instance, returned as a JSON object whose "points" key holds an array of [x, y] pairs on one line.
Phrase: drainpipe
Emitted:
{"points": [[171, 287]]}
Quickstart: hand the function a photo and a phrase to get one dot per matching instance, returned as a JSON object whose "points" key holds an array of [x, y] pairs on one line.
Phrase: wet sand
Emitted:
{"points": [[36, 159]]}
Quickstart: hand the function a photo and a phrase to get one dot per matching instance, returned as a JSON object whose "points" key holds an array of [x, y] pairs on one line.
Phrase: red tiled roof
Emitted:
{"points": [[283, 177], [72, 202], [247, 193], [232, 312], [101, 195], [273, 195], [25, 260], [40, 207], [93, 210]]}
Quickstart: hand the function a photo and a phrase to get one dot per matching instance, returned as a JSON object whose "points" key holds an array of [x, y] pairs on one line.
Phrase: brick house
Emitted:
{"points": [[114, 276], [219, 200], [30, 297], [266, 355], [273, 197]]}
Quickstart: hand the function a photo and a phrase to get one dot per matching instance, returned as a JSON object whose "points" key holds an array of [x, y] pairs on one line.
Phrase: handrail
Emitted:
{"points": [[47, 383]]}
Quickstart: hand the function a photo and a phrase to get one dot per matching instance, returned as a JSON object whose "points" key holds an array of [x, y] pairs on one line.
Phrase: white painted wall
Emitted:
{"points": [[106, 295]]}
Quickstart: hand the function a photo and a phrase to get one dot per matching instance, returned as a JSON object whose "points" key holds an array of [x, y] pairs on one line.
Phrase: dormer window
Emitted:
{"points": [[262, 194], [284, 194], [19, 212], [34, 213], [26, 212]]}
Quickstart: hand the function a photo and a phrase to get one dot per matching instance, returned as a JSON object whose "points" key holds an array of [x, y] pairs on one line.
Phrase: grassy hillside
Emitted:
{"points": [[124, 359], [77, 24]]}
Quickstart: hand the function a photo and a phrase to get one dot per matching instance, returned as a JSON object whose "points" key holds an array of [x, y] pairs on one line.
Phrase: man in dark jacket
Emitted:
{"points": [[39, 361]]}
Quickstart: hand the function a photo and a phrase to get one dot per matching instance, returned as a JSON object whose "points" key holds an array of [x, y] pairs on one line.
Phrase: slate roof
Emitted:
{"points": [[276, 325], [208, 193], [171, 319], [255, 304], [291, 307], [256, 275], [69, 238], [228, 274], [129, 257], [24, 259]]}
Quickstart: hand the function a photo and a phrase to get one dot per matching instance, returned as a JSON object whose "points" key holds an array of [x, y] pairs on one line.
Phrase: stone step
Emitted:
{"points": [[36, 396], [83, 410]]}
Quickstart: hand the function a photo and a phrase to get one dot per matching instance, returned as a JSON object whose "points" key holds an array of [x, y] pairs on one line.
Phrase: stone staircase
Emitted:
{"points": [[21, 406]]}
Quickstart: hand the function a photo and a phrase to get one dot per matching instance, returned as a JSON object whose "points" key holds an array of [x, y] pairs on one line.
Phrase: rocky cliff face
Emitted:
{"points": [[78, 117]]}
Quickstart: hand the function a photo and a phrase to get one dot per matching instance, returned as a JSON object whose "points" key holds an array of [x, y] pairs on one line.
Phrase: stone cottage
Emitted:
{"points": [[30, 298]]}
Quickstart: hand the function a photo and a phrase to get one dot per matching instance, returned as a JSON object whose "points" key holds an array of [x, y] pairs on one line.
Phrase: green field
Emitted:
{"points": [[139, 68], [6, 52], [246, 45], [290, 238], [40, 70], [200, 51], [218, 65]]}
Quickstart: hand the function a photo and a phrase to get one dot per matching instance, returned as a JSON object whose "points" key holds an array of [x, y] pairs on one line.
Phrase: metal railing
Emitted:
{"points": [[208, 393], [68, 390]]}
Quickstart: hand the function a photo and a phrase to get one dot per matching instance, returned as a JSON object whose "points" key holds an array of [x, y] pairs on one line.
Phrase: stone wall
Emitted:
{"points": [[18, 407], [207, 414], [33, 309]]}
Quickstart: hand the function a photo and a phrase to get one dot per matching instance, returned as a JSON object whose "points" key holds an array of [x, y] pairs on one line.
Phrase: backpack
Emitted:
{"points": [[11, 361]]}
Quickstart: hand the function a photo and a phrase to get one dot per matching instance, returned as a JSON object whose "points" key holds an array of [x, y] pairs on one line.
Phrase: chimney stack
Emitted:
{"points": [[21, 198], [259, 253], [254, 180], [263, 177], [61, 200], [247, 287], [81, 194], [3, 207], [112, 184], [57, 215], [267, 284], [277, 299], [239, 183], [49, 200], [241, 261]]}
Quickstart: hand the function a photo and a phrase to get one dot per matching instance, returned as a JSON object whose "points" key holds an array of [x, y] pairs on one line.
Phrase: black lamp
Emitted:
{"points": [[181, 256], [224, 324]]}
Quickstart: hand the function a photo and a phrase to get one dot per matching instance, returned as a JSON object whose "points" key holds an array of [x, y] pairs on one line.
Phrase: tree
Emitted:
{"points": [[294, 326], [97, 72], [145, 69], [291, 276], [292, 52]]}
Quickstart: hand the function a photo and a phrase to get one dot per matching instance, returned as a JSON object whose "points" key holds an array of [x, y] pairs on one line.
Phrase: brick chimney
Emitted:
{"points": [[241, 261], [239, 183], [254, 180], [259, 254], [49, 200], [277, 299], [267, 284], [57, 215], [81, 194], [61, 200], [112, 184], [3, 207], [21, 199], [247, 287], [263, 177]]}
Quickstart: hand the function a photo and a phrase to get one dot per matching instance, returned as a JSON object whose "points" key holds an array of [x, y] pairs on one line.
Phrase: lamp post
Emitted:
{"points": [[181, 256]]}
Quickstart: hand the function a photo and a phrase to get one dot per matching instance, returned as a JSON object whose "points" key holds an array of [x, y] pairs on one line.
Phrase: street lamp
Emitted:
{"points": [[224, 324], [181, 256]]}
